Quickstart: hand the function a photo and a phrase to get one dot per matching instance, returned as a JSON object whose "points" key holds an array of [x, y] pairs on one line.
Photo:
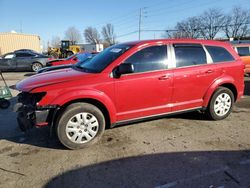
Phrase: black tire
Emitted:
{"points": [[211, 112], [4, 104], [36, 66], [68, 116]]}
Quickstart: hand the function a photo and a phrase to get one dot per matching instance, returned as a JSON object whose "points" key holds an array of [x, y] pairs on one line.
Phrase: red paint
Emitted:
{"points": [[143, 94]]}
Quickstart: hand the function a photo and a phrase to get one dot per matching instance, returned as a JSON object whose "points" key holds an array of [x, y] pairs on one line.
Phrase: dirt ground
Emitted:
{"points": [[179, 151]]}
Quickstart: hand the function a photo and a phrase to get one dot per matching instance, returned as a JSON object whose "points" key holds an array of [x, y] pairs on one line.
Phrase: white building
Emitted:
{"points": [[92, 47]]}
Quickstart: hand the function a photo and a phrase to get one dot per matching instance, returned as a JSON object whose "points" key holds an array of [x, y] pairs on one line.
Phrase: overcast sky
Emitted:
{"points": [[48, 18]]}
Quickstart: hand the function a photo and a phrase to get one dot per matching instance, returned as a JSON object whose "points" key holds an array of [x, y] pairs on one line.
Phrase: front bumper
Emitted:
{"points": [[27, 117]]}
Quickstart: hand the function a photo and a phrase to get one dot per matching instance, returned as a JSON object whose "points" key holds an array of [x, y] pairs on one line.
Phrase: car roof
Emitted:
{"points": [[195, 41], [242, 45]]}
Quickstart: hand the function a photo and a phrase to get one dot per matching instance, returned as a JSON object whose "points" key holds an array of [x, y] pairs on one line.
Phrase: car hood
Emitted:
{"points": [[49, 78]]}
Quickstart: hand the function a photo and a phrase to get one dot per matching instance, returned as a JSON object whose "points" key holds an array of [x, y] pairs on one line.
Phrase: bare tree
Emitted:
{"points": [[91, 35], [237, 23], [188, 28], [55, 42], [108, 34], [211, 24], [73, 35]]}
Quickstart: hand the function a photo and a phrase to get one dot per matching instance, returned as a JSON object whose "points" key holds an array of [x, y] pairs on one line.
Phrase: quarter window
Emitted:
{"points": [[243, 51], [189, 55], [219, 54], [149, 59]]}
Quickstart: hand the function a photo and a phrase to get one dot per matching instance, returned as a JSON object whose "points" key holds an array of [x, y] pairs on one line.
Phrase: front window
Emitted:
{"points": [[99, 62], [24, 55], [149, 59]]}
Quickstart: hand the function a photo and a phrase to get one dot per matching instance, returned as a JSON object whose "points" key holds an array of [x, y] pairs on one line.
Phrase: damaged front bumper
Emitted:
{"points": [[29, 115]]}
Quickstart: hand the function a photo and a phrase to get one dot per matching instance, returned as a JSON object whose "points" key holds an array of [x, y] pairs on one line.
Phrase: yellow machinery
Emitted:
{"points": [[66, 50]]}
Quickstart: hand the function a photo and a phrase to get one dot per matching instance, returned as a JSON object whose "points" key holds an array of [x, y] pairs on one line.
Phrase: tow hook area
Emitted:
{"points": [[27, 114]]}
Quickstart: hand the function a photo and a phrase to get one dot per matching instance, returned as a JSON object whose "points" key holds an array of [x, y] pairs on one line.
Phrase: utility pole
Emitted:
{"points": [[141, 14]]}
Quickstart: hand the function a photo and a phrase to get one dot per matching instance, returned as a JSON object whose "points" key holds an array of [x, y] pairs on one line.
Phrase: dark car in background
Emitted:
{"points": [[23, 60]]}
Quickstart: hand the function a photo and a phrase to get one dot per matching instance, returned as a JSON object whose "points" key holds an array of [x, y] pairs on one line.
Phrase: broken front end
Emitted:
{"points": [[29, 114]]}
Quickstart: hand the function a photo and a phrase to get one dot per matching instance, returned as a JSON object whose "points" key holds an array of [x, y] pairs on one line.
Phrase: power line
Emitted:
{"points": [[196, 29], [126, 34]]}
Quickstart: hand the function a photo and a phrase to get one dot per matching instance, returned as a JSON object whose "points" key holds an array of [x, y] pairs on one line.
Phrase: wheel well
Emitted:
{"points": [[36, 62], [232, 88], [94, 102]]}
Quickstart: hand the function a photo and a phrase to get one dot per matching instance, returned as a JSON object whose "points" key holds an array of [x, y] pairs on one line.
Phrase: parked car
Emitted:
{"points": [[52, 68], [70, 60], [244, 52], [130, 82], [23, 61]]}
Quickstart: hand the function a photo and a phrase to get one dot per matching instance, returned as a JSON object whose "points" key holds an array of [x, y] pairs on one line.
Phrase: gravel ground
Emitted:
{"points": [[179, 151]]}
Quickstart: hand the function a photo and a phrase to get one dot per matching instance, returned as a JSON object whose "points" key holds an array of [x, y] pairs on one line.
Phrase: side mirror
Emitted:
{"points": [[124, 68]]}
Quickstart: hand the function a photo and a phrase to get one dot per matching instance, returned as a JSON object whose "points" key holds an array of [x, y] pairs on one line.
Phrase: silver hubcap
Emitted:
{"points": [[222, 104], [82, 128], [36, 67]]}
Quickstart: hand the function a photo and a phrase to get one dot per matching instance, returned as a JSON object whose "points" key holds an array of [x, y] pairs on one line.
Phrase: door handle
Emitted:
{"points": [[209, 71], [165, 77]]}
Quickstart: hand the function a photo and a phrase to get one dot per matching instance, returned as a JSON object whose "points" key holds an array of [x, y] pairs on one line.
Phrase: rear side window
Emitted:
{"points": [[149, 59], [189, 55], [219, 54], [243, 51]]}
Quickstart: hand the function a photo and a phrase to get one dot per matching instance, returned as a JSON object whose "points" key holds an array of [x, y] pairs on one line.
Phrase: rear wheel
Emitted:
{"points": [[221, 104], [80, 125], [36, 66]]}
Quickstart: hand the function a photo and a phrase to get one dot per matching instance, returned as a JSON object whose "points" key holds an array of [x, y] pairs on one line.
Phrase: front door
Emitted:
{"points": [[7, 62], [148, 90]]}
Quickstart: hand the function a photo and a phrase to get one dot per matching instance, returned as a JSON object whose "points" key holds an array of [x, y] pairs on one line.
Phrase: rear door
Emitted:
{"points": [[193, 75]]}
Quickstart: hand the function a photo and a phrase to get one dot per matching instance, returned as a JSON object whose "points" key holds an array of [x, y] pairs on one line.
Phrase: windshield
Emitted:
{"points": [[99, 62], [71, 56]]}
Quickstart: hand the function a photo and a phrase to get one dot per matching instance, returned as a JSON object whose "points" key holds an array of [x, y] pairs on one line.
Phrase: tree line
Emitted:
{"points": [[212, 24], [90, 34]]}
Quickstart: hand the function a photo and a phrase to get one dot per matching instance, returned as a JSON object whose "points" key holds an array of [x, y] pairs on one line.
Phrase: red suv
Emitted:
{"points": [[129, 82]]}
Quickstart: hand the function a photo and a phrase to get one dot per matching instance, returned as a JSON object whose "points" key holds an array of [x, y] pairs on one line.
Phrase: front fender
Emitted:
{"points": [[72, 95], [218, 82]]}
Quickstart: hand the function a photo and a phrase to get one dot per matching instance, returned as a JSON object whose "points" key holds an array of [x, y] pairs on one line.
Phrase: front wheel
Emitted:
{"points": [[80, 125], [221, 104], [4, 104]]}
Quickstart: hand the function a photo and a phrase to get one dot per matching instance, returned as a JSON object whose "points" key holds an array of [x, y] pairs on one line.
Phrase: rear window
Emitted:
{"points": [[243, 51], [189, 55], [219, 54]]}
